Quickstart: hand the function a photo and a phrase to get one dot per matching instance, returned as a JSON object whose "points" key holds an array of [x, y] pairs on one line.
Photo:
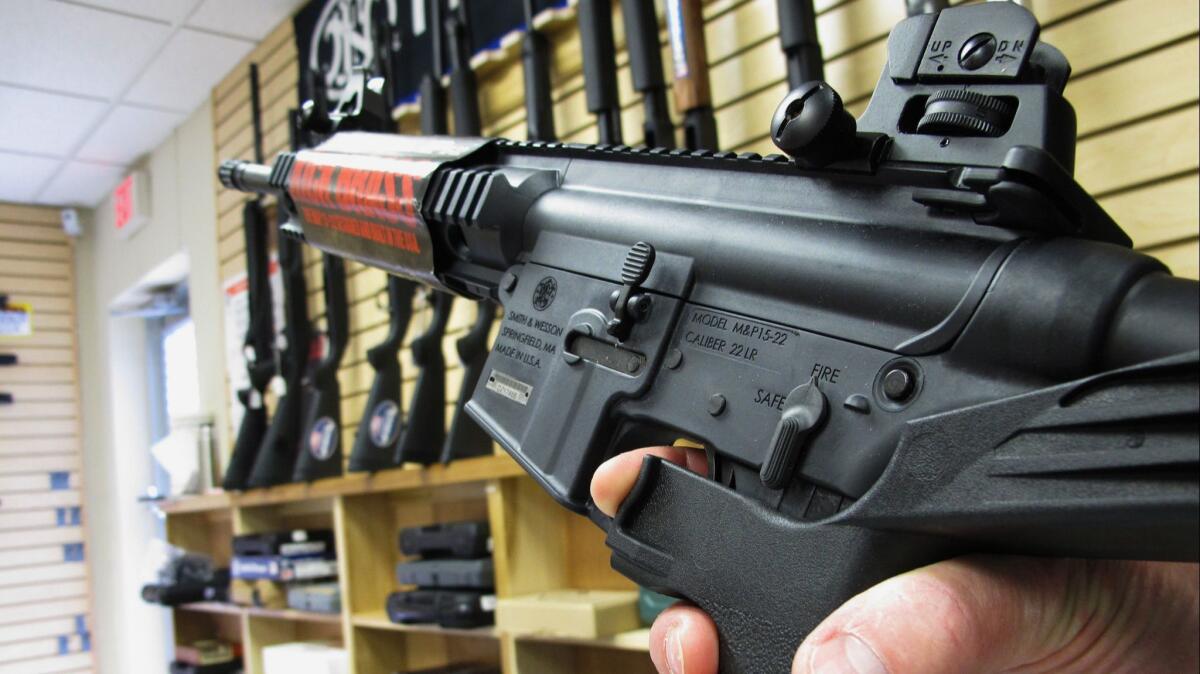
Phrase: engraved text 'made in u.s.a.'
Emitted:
{"points": [[523, 357]]}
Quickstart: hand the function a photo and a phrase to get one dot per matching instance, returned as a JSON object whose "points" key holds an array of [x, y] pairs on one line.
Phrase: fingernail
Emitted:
{"points": [[846, 654], [674, 649]]}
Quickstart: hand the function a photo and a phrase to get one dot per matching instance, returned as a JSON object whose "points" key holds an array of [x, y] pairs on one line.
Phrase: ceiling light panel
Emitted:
{"points": [[128, 133], [73, 49], [44, 123], [187, 69]]}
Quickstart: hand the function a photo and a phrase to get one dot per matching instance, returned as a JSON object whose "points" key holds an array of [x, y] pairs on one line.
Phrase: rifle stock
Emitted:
{"points": [[382, 422], [320, 453], [425, 431]]}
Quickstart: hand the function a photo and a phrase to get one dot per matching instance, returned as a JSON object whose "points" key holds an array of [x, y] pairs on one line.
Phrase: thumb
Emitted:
{"points": [[987, 614]]}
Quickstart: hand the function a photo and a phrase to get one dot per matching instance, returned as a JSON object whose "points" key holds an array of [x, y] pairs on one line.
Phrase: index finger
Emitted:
{"points": [[614, 478]]}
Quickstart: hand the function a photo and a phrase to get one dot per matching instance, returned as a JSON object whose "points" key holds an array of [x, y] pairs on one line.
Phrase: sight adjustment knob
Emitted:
{"points": [[811, 125], [962, 112]]}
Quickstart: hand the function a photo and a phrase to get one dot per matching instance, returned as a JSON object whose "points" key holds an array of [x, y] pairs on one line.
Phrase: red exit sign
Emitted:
{"points": [[131, 204]]}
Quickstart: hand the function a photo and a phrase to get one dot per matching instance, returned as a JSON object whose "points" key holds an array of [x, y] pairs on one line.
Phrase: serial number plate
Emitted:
{"points": [[510, 387]]}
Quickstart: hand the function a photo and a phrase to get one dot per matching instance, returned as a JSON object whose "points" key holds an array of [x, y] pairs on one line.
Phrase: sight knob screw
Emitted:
{"points": [[811, 125], [977, 51]]}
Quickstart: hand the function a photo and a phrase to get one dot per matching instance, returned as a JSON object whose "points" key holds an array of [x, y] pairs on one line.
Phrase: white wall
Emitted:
{"points": [[128, 634]]}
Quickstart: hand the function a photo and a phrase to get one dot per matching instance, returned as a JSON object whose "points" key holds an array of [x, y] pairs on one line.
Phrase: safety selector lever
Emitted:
{"points": [[803, 412], [630, 306]]}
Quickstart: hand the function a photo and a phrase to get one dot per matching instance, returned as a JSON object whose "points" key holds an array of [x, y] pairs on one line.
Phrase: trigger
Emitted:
{"points": [[803, 411]]}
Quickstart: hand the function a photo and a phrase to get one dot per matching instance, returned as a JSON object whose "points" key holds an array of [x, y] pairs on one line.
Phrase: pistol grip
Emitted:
{"points": [[766, 581]]}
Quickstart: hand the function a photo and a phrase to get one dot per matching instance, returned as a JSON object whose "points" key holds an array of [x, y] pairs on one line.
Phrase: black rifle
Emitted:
{"points": [[383, 419], [600, 68], [693, 94], [320, 452], [465, 438], [277, 455], [798, 36], [916, 7], [6, 359], [895, 349], [258, 346], [645, 63], [535, 57], [425, 429]]}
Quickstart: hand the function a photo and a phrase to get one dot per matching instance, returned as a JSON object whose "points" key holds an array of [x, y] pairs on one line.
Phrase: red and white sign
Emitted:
{"points": [[131, 203]]}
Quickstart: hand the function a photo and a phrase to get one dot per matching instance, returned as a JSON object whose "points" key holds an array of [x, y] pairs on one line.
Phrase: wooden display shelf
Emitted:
{"points": [[633, 640], [276, 613], [395, 479], [538, 546], [379, 620]]}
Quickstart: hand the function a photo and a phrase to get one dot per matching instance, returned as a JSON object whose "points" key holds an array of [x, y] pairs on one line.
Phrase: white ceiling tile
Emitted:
{"points": [[21, 176], [81, 184], [187, 69], [45, 123], [169, 11], [73, 49], [251, 20], [127, 133]]}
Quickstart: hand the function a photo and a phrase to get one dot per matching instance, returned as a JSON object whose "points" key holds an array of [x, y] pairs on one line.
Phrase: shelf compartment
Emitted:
{"points": [[383, 649], [368, 528], [270, 628], [550, 656]]}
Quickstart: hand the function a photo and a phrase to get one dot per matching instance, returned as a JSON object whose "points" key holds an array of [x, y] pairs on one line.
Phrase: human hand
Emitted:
{"points": [[970, 614]]}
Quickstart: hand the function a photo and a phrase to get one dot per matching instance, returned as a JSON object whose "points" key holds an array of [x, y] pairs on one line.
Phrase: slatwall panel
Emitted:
{"points": [[44, 599], [1134, 88]]}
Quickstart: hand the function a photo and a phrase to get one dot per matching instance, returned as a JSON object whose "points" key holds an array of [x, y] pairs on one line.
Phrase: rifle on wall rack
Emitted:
{"points": [[535, 58], [600, 68], [277, 454], [798, 37], [258, 345], [916, 7], [689, 56], [425, 427], [382, 422], [6, 359], [320, 452], [645, 62]]}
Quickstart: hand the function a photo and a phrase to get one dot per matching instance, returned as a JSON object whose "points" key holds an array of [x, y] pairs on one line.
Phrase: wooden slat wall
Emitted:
{"points": [[44, 597], [1134, 88]]}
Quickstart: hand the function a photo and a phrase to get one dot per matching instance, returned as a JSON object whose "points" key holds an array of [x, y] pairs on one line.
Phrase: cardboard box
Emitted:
{"points": [[307, 657], [585, 614], [260, 593]]}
